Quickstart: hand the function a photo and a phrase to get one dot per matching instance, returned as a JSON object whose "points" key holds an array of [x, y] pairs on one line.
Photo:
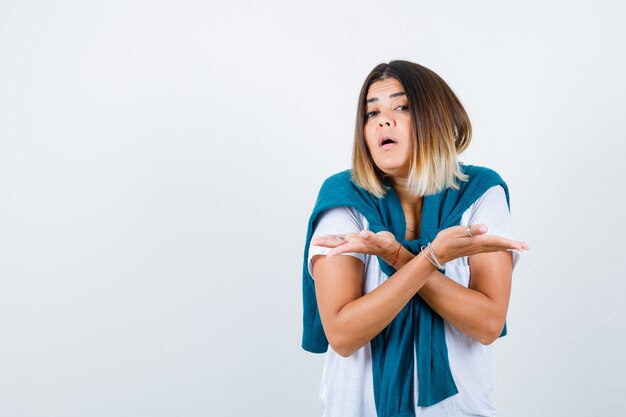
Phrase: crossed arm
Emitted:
{"points": [[351, 319], [480, 310]]}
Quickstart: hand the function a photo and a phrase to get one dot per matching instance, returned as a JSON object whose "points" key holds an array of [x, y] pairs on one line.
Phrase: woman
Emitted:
{"points": [[411, 312]]}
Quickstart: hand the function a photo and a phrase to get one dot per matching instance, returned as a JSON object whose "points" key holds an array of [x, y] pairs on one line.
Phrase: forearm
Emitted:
{"points": [[360, 320], [469, 310], [351, 319]]}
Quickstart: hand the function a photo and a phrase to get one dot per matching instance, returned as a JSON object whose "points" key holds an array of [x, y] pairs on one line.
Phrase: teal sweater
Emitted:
{"points": [[416, 325]]}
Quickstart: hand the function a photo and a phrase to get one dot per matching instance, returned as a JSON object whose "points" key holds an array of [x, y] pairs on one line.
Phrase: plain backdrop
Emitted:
{"points": [[159, 159]]}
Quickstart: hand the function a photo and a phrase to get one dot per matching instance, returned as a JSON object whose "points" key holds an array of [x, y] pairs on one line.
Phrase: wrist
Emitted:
{"points": [[404, 257], [439, 251], [432, 257], [426, 259], [394, 256]]}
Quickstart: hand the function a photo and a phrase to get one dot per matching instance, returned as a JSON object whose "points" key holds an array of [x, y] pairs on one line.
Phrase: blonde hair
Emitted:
{"points": [[441, 131]]}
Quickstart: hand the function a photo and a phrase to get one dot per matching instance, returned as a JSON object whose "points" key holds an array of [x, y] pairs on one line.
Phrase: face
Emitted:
{"points": [[388, 127]]}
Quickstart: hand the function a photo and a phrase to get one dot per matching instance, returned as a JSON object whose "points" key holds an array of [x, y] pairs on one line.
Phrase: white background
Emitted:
{"points": [[159, 159]]}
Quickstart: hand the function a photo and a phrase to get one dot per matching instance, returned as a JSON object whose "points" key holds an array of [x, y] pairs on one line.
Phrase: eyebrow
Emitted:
{"points": [[401, 93]]}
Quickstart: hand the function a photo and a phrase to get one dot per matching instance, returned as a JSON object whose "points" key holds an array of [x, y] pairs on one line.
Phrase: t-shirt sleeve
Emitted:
{"points": [[339, 220], [491, 209]]}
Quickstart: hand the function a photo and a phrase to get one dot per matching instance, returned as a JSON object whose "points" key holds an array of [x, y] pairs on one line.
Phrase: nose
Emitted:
{"points": [[386, 120]]}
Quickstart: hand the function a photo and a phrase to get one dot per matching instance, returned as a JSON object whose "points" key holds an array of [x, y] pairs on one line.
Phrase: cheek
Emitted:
{"points": [[370, 139], [410, 145]]}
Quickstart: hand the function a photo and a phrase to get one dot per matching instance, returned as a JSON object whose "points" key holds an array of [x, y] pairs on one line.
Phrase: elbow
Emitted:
{"points": [[344, 352], [490, 332], [487, 339], [342, 345], [341, 348]]}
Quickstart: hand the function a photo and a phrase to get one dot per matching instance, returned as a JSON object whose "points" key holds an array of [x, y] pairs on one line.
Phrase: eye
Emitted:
{"points": [[403, 108], [371, 114]]}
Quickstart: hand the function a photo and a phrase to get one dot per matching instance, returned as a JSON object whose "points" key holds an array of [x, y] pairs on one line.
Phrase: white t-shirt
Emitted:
{"points": [[347, 389]]}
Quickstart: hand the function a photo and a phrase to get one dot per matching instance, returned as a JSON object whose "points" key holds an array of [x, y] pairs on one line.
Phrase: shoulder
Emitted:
{"points": [[494, 199], [336, 190], [480, 180], [341, 176], [338, 181], [334, 221], [492, 209], [340, 190], [478, 173], [340, 220]]}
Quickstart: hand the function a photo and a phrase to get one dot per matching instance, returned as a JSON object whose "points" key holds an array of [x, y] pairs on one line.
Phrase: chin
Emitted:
{"points": [[394, 170]]}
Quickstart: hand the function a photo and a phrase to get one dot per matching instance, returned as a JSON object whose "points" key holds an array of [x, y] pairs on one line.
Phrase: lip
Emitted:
{"points": [[383, 138]]}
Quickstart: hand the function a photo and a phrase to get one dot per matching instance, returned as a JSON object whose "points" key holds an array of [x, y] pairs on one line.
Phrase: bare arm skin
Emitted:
{"points": [[351, 319], [480, 310]]}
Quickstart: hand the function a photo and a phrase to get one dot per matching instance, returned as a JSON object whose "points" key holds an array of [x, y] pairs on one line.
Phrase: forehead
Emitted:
{"points": [[384, 88]]}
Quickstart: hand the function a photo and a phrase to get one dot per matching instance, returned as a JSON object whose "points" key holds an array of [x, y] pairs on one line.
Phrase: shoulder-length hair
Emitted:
{"points": [[441, 130]]}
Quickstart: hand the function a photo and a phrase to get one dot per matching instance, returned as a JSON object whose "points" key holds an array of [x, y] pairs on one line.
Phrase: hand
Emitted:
{"points": [[455, 242], [381, 244]]}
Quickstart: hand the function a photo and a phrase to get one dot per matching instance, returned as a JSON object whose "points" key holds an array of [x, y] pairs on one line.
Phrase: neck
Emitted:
{"points": [[406, 196]]}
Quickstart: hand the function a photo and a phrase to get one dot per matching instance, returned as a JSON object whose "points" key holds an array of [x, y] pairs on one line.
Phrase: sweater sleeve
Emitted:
{"points": [[339, 220]]}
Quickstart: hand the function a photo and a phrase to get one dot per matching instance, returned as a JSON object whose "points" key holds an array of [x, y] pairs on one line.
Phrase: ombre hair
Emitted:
{"points": [[441, 131]]}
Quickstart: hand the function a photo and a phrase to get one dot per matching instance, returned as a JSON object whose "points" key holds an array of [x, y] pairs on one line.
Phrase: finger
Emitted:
{"points": [[357, 247], [513, 244], [373, 240], [466, 231], [366, 234], [501, 243], [476, 229], [324, 241], [367, 247], [329, 241], [519, 246]]}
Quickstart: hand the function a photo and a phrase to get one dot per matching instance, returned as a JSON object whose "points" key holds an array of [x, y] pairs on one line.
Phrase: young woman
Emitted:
{"points": [[411, 311]]}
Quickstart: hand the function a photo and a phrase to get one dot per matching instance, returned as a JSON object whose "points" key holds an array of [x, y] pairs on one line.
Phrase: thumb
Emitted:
{"points": [[365, 234], [478, 229]]}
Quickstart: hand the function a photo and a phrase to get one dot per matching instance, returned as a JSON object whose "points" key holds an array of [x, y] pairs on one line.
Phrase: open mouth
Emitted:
{"points": [[386, 140]]}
